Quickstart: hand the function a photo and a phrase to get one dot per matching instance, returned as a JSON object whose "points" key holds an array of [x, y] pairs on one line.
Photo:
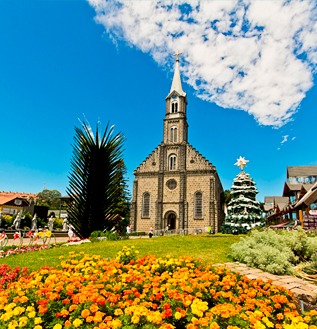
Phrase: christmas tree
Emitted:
{"points": [[244, 211]]}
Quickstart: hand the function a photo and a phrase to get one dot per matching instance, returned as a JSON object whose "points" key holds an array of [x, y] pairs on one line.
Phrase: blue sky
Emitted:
{"points": [[250, 83]]}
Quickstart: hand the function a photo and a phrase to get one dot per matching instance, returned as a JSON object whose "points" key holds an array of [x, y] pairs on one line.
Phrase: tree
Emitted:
{"points": [[96, 180], [244, 211], [49, 198], [122, 206]]}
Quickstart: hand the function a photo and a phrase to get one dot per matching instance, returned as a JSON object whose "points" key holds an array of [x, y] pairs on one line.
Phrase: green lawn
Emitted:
{"points": [[210, 248]]}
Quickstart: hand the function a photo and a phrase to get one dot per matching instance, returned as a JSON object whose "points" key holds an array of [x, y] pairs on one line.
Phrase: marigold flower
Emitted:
{"points": [[67, 323], [58, 326], [118, 312], [77, 322], [94, 308], [23, 321], [85, 313], [135, 319], [72, 308], [177, 315]]}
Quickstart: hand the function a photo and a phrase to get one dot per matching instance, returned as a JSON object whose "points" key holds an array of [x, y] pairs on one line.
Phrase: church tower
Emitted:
{"points": [[175, 186]]}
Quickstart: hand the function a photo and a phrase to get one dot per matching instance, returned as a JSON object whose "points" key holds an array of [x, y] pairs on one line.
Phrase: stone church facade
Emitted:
{"points": [[175, 185]]}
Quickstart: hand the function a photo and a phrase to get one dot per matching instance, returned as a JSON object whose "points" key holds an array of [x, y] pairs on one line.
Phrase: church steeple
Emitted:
{"points": [[175, 122], [177, 82]]}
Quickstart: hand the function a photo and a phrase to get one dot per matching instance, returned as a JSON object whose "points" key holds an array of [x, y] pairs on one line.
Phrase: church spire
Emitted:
{"points": [[177, 82]]}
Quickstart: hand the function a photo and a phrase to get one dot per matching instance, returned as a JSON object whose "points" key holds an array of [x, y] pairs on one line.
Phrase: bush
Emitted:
{"points": [[137, 234], [97, 234], [58, 223], [7, 221], [273, 251]]}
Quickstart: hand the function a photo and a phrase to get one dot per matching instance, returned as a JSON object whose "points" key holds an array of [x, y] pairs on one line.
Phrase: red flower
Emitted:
{"points": [[29, 234], [16, 235]]}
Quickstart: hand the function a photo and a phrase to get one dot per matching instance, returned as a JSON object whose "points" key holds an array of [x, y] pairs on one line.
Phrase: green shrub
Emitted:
{"points": [[137, 234], [112, 235], [97, 234], [58, 223], [273, 251], [7, 221]]}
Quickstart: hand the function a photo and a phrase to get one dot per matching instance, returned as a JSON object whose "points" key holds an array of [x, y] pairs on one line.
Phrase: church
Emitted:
{"points": [[175, 187]]}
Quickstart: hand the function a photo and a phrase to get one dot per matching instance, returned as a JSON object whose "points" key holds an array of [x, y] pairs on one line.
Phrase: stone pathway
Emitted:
{"points": [[303, 291]]}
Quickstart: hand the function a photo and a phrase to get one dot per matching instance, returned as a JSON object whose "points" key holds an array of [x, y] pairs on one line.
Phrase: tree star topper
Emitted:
{"points": [[241, 162]]}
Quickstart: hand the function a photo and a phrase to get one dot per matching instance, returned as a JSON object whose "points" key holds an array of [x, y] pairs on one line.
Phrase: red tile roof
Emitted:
{"points": [[8, 196]]}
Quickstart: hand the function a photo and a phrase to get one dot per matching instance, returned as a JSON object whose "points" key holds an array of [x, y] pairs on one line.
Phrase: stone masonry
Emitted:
{"points": [[304, 292], [175, 186]]}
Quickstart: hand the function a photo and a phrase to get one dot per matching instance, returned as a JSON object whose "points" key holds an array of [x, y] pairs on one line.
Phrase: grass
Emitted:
{"points": [[210, 248]]}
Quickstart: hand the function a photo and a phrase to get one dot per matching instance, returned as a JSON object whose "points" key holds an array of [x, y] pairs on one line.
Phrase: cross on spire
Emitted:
{"points": [[177, 55]]}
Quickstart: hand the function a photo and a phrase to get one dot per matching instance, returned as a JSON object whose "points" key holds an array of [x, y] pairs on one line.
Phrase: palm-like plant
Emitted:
{"points": [[95, 180]]}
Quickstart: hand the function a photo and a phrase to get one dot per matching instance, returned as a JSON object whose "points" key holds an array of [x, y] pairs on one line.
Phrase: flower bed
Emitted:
{"points": [[13, 250], [147, 292]]}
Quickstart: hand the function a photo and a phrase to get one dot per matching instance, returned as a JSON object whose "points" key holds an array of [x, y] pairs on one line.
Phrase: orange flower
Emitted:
{"points": [[85, 313], [42, 309], [67, 323], [94, 308], [72, 307]]}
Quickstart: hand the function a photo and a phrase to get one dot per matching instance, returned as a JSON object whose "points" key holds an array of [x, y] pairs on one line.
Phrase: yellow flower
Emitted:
{"points": [[13, 324], [77, 323], [118, 312], [177, 315], [31, 314], [57, 326], [259, 325], [30, 309], [135, 319], [23, 321], [38, 320]]}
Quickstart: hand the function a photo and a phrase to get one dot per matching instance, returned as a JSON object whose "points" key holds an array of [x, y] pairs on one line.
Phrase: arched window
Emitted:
{"points": [[172, 162], [174, 107], [173, 134], [146, 205], [198, 205]]}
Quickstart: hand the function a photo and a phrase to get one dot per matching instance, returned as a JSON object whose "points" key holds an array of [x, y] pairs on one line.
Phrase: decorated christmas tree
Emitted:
{"points": [[244, 211]]}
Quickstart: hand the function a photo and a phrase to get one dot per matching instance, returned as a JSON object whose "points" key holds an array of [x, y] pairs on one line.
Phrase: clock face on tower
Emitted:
{"points": [[174, 96]]}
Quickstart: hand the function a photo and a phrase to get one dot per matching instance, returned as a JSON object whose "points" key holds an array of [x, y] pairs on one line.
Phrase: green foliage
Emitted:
{"points": [[96, 183], [226, 196], [312, 267], [112, 235], [137, 233], [49, 198], [58, 223], [6, 221], [97, 234], [275, 252]]}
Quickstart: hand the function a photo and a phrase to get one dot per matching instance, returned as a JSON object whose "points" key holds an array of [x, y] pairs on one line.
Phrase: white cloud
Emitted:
{"points": [[256, 56], [285, 138]]}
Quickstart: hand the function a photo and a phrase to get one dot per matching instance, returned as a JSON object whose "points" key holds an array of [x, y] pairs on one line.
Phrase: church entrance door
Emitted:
{"points": [[171, 221]]}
